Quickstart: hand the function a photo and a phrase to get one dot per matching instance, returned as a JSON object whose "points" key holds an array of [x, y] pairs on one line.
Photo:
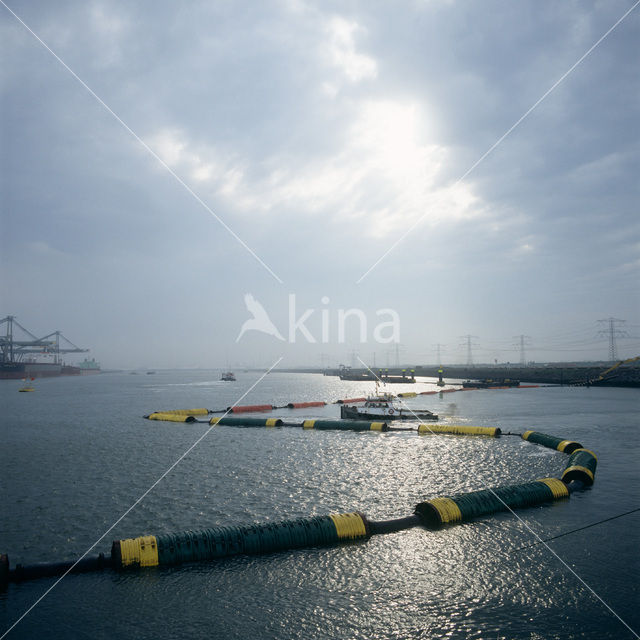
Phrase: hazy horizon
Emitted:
{"points": [[223, 152]]}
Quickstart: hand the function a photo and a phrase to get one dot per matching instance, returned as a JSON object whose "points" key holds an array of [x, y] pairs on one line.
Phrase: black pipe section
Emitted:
{"points": [[391, 526], [51, 569], [575, 485], [4, 571]]}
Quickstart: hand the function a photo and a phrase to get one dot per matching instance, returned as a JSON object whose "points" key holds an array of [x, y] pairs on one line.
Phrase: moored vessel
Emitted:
{"points": [[88, 367], [382, 406], [26, 387]]}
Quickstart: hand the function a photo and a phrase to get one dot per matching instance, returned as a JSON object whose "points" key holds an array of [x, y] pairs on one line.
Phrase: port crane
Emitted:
{"points": [[12, 350]]}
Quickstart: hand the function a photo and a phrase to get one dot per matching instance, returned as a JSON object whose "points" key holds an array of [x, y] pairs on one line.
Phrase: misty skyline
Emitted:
{"points": [[283, 148]]}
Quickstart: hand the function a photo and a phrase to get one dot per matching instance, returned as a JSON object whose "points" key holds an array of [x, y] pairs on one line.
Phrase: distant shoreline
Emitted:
{"points": [[565, 374]]}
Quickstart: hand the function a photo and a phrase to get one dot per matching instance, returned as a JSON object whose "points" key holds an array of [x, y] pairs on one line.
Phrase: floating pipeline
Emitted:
{"points": [[251, 408], [186, 412], [247, 422], [453, 429], [321, 425], [350, 400], [319, 531], [169, 549], [50, 569], [582, 463], [587, 462], [337, 425], [581, 466], [304, 405], [170, 417], [566, 446], [214, 543], [242, 409], [222, 542], [242, 421], [345, 425], [463, 507]]}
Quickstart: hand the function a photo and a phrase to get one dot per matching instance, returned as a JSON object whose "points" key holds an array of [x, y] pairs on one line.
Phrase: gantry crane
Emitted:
{"points": [[12, 350]]}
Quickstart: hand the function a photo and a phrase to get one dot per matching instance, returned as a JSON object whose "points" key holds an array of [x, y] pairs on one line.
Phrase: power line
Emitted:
{"points": [[469, 346], [524, 340], [612, 332], [439, 347]]}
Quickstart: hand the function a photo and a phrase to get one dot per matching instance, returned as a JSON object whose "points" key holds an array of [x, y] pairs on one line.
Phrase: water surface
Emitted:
{"points": [[77, 454]]}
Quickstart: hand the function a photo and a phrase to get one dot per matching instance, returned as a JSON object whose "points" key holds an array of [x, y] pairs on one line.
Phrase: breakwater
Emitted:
{"points": [[626, 375]]}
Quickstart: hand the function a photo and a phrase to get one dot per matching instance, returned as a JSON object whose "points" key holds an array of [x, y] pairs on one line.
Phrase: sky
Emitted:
{"points": [[454, 173]]}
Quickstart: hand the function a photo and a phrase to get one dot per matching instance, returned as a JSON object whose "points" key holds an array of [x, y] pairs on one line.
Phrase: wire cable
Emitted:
{"points": [[588, 526]]}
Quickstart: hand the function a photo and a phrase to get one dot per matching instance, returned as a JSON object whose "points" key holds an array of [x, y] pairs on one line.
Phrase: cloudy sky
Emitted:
{"points": [[282, 148]]}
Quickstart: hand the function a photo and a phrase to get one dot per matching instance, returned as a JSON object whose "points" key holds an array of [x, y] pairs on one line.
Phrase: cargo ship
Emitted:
{"points": [[20, 370], [88, 367], [24, 355]]}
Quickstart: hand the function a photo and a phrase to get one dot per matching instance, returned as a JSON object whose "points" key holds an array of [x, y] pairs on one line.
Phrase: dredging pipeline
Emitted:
{"points": [[169, 549]]}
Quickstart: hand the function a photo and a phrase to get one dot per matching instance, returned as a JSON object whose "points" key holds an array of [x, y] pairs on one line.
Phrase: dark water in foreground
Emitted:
{"points": [[76, 455]]}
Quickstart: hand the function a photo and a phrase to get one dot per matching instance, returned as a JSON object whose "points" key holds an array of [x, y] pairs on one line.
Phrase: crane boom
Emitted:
{"points": [[616, 365]]}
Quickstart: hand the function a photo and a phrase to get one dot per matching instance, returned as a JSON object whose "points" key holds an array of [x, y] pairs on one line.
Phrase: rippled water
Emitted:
{"points": [[76, 454]]}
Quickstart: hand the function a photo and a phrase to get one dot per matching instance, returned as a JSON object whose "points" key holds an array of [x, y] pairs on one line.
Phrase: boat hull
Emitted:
{"points": [[18, 370], [360, 413]]}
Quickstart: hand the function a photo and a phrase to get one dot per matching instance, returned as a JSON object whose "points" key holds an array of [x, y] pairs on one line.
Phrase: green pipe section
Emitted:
{"points": [[463, 507], [345, 425], [566, 446], [221, 542], [581, 466]]}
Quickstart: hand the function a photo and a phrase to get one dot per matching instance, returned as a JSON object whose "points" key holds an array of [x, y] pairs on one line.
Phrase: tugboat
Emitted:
{"points": [[381, 406], [228, 376], [346, 373]]}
